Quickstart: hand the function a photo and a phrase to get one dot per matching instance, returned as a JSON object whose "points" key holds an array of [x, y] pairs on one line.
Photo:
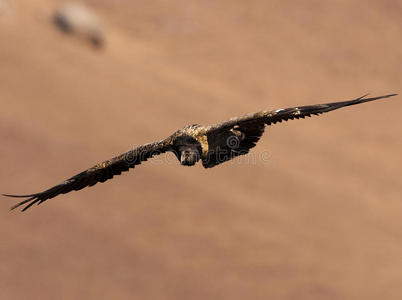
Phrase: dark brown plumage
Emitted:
{"points": [[212, 144]]}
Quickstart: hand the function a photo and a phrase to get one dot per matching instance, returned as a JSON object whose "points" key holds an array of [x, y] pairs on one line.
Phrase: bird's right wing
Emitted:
{"points": [[98, 173]]}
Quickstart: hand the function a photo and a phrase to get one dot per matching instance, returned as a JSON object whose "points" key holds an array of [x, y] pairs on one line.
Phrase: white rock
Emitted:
{"points": [[77, 18]]}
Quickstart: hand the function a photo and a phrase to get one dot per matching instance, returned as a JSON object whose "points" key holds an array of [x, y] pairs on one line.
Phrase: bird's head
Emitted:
{"points": [[187, 150], [189, 156]]}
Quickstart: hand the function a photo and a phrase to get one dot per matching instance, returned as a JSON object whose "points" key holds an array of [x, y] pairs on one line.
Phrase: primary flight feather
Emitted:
{"points": [[213, 144]]}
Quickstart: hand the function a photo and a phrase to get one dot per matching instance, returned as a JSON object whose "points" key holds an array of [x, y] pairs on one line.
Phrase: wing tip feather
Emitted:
{"points": [[19, 196], [32, 198], [364, 99]]}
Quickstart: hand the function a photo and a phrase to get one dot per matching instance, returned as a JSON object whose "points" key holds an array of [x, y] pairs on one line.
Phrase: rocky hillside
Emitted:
{"points": [[315, 210]]}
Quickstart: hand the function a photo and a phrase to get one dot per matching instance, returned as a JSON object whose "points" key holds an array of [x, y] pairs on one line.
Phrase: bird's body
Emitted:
{"points": [[213, 145]]}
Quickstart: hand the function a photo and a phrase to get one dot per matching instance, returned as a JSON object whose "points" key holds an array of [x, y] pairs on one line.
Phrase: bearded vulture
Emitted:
{"points": [[213, 145]]}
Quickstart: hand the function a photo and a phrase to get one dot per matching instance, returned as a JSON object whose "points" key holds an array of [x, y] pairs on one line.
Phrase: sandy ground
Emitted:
{"points": [[320, 219]]}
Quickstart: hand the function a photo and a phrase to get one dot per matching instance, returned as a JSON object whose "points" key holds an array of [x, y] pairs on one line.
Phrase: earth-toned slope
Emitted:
{"points": [[312, 213]]}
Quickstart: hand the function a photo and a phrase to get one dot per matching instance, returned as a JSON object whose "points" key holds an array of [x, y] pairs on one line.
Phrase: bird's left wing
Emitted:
{"points": [[98, 173], [223, 145], [273, 116]]}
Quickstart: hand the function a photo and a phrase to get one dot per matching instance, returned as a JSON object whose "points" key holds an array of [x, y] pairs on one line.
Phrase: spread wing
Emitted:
{"points": [[98, 173], [251, 127]]}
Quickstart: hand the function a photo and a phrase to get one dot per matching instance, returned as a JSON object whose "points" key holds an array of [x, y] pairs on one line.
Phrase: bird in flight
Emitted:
{"points": [[213, 145]]}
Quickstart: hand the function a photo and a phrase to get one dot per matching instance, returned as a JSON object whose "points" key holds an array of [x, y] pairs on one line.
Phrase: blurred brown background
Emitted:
{"points": [[321, 220]]}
